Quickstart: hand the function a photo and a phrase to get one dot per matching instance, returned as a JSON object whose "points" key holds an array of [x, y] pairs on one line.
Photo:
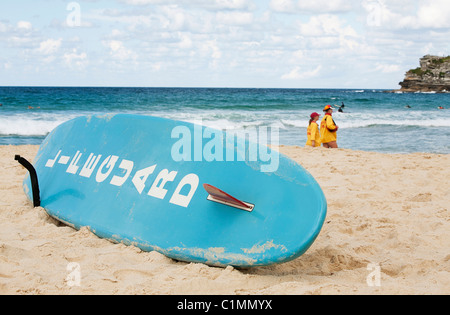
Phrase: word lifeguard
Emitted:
{"points": [[120, 174]]}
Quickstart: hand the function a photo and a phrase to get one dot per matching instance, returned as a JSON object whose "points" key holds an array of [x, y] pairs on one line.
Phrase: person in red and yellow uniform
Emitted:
{"points": [[328, 129], [313, 131]]}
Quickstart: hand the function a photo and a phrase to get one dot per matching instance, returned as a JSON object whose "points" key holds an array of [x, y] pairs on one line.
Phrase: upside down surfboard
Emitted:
{"points": [[189, 192]]}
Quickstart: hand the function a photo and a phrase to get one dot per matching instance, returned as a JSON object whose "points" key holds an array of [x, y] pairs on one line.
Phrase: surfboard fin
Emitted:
{"points": [[219, 196]]}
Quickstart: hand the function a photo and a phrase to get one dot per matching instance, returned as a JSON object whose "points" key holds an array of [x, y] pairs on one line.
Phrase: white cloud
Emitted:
{"points": [[328, 34], [297, 74], [76, 60], [316, 6], [428, 49], [203, 4], [3, 27], [235, 42], [293, 75], [24, 25], [20, 35], [400, 15], [185, 42], [49, 46], [235, 18], [119, 51], [387, 68], [326, 25], [211, 52], [321, 6], [285, 6], [434, 14], [175, 18], [233, 4]]}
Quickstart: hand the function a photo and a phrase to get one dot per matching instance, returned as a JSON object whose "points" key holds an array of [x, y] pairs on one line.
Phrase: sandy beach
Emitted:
{"points": [[387, 232]]}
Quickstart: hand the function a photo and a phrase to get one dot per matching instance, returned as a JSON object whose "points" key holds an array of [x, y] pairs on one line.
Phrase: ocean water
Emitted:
{"points": [[372, 121]]}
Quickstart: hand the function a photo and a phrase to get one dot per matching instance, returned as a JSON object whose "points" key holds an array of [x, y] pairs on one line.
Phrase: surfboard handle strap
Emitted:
{"points": [[34, 179]]}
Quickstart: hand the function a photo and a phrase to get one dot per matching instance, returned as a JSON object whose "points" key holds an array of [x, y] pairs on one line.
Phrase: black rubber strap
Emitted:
{"points": [[34, 179]]}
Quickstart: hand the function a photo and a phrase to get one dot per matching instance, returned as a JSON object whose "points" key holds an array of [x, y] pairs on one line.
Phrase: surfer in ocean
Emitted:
{"points": [[340, 108]]}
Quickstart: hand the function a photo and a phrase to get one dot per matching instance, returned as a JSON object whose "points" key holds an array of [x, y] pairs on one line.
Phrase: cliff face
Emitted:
{"points": [[433, 75]]}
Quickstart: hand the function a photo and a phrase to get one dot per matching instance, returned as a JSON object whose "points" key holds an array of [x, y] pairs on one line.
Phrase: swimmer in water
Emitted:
{"points": [[441, 107]]}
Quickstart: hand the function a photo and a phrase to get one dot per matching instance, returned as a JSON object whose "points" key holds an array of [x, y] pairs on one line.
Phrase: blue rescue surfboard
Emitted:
{"points": [[192, 193]]}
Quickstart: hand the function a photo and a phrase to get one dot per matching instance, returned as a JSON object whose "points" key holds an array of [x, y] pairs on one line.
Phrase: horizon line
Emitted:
{"points": [[188, 87]]}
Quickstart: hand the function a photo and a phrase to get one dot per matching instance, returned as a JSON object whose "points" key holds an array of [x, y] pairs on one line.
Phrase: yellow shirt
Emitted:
{"points": [[313, 134], [328, 130]]}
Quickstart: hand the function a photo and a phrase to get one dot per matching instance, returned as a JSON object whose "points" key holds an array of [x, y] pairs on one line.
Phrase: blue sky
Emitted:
{"points": [[219, 43]]}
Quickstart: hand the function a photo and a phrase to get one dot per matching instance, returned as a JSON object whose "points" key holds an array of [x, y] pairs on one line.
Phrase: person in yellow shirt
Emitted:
{"points": [[328, 129], [313, 131]]}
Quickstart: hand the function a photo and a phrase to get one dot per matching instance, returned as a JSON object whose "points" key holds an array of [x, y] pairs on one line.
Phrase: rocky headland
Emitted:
{"points": [[433, 75]]}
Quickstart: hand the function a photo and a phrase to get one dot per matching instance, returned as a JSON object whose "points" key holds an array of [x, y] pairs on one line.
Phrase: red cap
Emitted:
{"points": [[314, 115]]}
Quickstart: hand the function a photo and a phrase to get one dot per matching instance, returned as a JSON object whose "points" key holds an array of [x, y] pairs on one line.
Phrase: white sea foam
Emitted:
{"points": [[22, 125], [41, 125]]}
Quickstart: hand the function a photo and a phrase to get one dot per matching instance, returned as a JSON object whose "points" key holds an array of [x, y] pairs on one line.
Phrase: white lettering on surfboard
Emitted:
{"points": [[121, 174]]}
